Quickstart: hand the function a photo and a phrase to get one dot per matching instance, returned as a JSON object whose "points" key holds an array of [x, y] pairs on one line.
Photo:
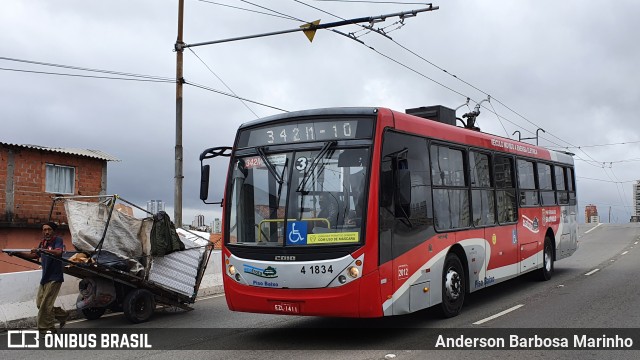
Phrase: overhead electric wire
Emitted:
{"points": [[381, 31], [604, 163], [592, 162], [417, 72], [224, 83], [465, 82], [589, 162], [150, 78], [135, 77], [88, 76], [602, 180], [266, 8], [370, 47], [249, 10], [498, 116], [373, 2], [233, 96], [88, 69], [614, 182], [599, 145]]}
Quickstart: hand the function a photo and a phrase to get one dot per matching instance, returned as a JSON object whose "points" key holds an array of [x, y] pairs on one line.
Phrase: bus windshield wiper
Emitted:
{"points": [[270, 166], [315, 163], [279, 177]]}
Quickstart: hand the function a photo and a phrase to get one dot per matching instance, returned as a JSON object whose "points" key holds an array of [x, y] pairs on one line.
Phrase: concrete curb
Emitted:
{"points": [[17, 299]]}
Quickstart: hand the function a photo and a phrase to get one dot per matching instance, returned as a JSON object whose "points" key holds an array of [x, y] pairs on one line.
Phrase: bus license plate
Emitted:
{"points": [[286, 307]]}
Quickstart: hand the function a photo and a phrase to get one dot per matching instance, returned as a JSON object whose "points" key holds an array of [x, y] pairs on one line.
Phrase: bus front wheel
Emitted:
{"points": [[453, 286]]}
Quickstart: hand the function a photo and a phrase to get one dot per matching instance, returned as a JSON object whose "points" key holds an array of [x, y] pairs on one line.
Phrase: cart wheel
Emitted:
{"points": [[93, 313], [138, 305]]}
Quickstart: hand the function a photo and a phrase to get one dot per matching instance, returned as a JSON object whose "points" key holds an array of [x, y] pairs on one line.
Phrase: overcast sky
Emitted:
{"points": [[568, 67]]}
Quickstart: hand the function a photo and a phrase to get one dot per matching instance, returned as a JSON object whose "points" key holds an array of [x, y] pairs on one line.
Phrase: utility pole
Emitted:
{"points": [[177, 199]]}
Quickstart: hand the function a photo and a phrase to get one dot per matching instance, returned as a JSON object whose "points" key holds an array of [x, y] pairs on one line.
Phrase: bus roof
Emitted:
{"points": [[349, 111], [406, 122]]}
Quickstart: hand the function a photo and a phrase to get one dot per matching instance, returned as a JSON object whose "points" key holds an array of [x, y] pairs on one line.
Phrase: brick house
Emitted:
{"points": [[30, 176]]}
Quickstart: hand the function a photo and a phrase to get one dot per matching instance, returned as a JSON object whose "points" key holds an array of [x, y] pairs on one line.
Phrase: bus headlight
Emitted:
{"points": [[231, 269], [342, 279], [353, 272]]}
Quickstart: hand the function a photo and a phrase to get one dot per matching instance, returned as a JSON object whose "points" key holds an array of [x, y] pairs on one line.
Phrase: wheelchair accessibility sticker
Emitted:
{"points": [[297, 233]]}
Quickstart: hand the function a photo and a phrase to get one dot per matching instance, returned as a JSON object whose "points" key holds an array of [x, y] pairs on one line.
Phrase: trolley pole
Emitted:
{"points": [[177, 200]]}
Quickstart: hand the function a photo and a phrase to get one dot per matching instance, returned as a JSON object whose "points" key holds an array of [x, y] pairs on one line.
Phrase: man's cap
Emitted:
{"points": [[51, 224]]}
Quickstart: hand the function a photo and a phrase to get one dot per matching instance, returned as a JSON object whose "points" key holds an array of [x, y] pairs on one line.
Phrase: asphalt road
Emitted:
{"points": [[593, 289]]}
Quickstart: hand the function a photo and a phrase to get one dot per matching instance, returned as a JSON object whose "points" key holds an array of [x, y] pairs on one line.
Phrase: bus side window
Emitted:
{"points": [[450, 193], [545, 183], [527, 183], [561, 185], [405, 152], [503, 172]]}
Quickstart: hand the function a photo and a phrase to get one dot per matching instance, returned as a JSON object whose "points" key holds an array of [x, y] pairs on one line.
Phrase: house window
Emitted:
{"points": [[60, 179]]}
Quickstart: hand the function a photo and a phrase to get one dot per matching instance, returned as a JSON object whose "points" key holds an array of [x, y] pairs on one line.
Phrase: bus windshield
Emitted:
{"points": [[298, 198]]}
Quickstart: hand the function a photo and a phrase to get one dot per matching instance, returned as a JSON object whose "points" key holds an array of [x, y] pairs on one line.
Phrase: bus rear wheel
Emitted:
{"points": [[545, 273], [453, 286]]}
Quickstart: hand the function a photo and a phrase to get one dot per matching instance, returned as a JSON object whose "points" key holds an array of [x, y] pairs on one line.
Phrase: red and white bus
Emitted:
{"points": [[370, 212]]}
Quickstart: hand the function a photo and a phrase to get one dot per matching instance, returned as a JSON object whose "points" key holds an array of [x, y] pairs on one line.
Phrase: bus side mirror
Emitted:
{"points": [[204, 182], [403, 192]]}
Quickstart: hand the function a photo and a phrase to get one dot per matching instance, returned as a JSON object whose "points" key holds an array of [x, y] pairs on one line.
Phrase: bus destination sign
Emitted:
{"points": [[297, 132]]}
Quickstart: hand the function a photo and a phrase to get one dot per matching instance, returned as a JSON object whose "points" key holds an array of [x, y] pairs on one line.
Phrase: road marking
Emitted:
{"points": [[592, 272], [209, 297], [498, 314], [635, 243], [590, 230], [624, 253], [103, 316]]}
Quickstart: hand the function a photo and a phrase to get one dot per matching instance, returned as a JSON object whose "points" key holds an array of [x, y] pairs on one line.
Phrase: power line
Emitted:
{"points": [[88, 69], [600, 145], [608, 181], [225, 84], [381, 31], [87, 76], [432, 64], [244, 9], [612, 205], [495, 112], [266, 8], [373, 2], [463, 81], [137, 77], [232, 95], [604, 163], [615, 183]]}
